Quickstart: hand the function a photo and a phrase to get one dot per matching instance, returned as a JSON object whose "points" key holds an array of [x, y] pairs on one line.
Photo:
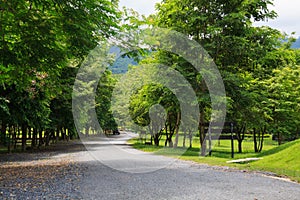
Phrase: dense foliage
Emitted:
{"points": [[43, 43], [259, 70]]}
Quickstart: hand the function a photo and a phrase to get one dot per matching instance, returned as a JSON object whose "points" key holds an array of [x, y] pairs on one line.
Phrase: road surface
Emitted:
{"points": [[113, 170]]}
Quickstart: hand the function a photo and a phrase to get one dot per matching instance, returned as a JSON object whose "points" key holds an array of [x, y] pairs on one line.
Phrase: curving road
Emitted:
{"points": [[131, 174], [110, 170]]}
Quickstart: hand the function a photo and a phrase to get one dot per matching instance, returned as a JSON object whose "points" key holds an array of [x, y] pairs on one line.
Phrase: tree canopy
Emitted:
{"points": [[43, 44]]}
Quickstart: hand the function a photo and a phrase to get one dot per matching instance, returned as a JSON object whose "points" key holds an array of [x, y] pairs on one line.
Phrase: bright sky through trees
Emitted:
{"points": [[288, 11]]}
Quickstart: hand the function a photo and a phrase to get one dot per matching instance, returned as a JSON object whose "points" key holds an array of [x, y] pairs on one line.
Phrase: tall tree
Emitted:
{"points": [[39, 41], [224, 29]]}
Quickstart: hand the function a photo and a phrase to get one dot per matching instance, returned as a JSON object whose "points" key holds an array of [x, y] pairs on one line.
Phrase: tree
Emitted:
{"points": [[283, 94], [103, 102], [140, 110], [224, 29], [39, 41]]}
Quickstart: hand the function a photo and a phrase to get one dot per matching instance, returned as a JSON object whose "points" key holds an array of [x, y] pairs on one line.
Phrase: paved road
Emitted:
{"points": [[131, 174], [113, 170]]}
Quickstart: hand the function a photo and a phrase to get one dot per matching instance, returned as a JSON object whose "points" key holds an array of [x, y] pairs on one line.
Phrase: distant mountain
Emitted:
{"points": [[296, 45], [120, 66]]}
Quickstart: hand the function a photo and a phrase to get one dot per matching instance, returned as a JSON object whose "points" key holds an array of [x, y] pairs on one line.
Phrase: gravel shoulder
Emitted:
{"points": [[46, 174]]}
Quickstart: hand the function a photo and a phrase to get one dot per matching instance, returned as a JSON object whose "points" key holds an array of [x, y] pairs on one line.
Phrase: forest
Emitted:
{"points": [[44, 44]]}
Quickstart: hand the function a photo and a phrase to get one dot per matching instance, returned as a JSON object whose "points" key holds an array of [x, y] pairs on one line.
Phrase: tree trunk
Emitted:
{"points": [[156, 140], [240, 137], [18, 136], [240, 146], [52, 135], [191, 138], [24, 137], [184, 138], [41, 139], [167, 135], [255, 141], [47, 137], [10, 132], [29, 133], [57, 134], [177, 130], [263, 131], [171, 145], [33, 139], [151, 139], [87, 131], [3, 133], [176, 139], [63, 134], [258, 138], [202, 134], [14, 138], [279, 138]]}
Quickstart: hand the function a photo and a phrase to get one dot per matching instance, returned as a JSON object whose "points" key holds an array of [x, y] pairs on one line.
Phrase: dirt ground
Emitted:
{"points": [[42, 174]]}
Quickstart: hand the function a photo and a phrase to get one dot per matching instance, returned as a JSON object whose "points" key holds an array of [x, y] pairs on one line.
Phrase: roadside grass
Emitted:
{"points": [[283, 160]]}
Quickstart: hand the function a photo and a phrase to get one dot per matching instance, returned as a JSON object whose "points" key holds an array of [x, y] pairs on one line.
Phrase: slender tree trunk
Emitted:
{"points": [[18, 135], [156, 140], [171, 145], [151, 133], [202, 134], [3, 132], [63, 134], [241, 137], [87, 131], [14, 138], [24, 137], [33, 139], [57, 134], [68, 134], [255, 141], [10, 132], [240, 146], [170, 141], [41, 139], [47, 137], [184, 138], [279, 138], [258, 138], [29, 133], [167, 135], [52, 135], [263, 131], [191, 138], [177, 130]]}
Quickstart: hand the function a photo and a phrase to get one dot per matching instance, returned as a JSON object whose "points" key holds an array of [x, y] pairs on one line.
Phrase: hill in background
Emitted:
{"points": [[296, 45], [121, 64]]}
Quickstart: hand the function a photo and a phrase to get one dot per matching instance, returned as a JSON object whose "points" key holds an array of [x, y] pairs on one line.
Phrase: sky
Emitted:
{"points": [[288, 13]]}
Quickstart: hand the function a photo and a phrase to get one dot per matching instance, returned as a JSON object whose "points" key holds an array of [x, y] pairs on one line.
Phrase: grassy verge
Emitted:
{"points": [[283, 160]]}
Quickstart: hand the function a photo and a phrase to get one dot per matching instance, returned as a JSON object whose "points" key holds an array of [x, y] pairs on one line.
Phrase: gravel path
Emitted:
{"points": [[125, 173], [41, 175]]}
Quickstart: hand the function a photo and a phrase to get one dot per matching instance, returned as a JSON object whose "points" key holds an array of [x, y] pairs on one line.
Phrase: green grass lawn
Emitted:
{"points": [[283, 160]]}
